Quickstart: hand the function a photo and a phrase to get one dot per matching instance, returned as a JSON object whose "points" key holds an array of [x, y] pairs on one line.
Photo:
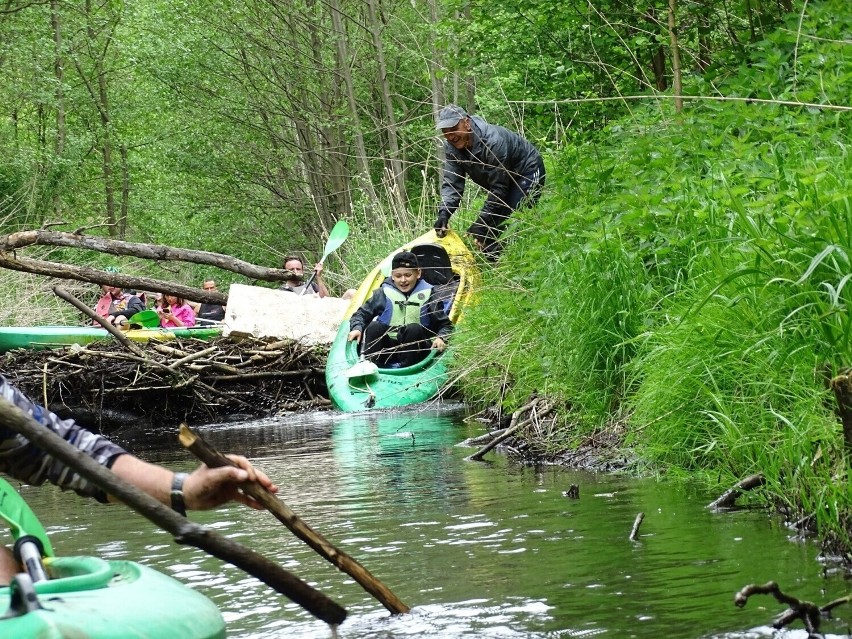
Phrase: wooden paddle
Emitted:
{"points": [[184, 531], [283, 513], [338, 236]]}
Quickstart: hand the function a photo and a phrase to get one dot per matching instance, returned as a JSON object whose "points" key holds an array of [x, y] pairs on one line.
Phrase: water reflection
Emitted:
{"points": [[478, 550]]}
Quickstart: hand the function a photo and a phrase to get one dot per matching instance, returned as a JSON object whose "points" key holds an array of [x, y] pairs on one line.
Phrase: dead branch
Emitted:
{"points": [[808, 612], [634, 534], [112, 330], [283, 513], [514, 426], [728, 499], [157, 252]]}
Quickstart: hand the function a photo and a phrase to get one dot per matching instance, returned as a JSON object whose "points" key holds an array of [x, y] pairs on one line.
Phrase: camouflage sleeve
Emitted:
{"points": [[23, 461]]}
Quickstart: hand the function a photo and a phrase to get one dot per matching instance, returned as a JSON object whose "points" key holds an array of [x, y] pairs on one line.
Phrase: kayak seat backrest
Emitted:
{"points": [[435, 263], [447, 292]]}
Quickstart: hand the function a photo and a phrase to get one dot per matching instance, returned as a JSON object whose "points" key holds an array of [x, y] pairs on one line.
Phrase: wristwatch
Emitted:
{"points": [[178, 505]]}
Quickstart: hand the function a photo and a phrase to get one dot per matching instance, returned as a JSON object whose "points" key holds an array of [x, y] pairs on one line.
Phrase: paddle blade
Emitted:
{"points": [[338, 236], [147, 319], [363, 368]]}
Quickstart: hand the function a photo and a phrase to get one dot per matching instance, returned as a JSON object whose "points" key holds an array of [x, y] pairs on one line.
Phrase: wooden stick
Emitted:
{"points": [[634, 534], [214, 459], [193, 356], [112, 330], [728, 499], [184, 531]]}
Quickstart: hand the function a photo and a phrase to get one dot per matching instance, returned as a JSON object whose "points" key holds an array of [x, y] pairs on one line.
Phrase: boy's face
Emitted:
{"points": [[405, 279]]}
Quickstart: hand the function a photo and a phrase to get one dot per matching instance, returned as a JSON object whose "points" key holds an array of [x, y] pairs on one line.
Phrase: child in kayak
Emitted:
{"points": [[403, 319]]}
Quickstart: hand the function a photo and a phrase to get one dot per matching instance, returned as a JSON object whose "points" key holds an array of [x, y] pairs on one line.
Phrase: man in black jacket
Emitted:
{"points": [[502, 162]]}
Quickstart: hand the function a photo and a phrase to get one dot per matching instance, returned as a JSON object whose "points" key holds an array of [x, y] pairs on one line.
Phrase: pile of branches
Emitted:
{"points": [[106, 387]]}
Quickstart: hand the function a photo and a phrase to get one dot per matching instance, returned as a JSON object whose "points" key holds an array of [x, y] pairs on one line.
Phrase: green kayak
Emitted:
{"points": [[38, 337], [91, 598], [446, 262]]}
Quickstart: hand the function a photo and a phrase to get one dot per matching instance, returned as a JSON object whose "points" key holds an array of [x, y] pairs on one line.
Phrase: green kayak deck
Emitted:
{"points": [[39, 337]]}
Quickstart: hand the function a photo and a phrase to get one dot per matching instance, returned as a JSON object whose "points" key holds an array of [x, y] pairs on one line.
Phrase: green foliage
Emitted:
{"points": [[688, 274]]}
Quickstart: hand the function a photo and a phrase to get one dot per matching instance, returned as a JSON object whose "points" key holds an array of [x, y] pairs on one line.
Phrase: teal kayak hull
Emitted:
{"points": [[388, 387], [91, 598], [397, 387], [40, 337]]}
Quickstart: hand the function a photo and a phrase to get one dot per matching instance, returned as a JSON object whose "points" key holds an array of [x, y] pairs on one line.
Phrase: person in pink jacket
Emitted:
{"points": [[175, 312]]}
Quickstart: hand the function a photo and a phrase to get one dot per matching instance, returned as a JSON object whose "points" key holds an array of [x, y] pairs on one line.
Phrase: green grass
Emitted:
{"points": [[687, 274]]}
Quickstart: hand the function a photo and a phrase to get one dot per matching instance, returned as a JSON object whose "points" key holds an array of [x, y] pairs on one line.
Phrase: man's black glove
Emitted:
{"points": [[442, 223]]}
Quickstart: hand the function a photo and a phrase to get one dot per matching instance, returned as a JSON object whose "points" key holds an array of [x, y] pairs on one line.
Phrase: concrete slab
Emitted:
{"points": [[266, 312]]}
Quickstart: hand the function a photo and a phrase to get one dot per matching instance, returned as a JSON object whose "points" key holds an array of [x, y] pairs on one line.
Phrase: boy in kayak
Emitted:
{"points": [[203, 489], [502, 162], [403, 319]]}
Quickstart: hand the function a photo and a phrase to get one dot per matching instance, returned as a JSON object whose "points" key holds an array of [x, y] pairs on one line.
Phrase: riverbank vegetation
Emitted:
{"points": [[684, 277]]}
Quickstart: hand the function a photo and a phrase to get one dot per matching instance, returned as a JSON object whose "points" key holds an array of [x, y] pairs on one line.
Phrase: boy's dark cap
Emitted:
{"points": [[404, 259]]}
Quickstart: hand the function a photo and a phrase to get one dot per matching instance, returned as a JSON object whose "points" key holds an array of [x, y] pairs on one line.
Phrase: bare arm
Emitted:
{"points": [[205, 487]]}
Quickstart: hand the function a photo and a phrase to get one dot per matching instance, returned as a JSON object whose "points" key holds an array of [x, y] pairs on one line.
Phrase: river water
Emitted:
{"points": [[489, 550]]}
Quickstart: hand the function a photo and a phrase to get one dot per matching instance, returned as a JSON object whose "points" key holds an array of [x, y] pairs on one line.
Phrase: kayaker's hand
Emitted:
{"points": [[207, 488], [354, 335], [439, 345]]}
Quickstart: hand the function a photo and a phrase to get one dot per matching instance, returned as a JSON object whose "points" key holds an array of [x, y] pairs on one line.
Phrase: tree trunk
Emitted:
{"points": [[395, 164], [125, 194], [436, 61], [678, 91], [345, 72], [59, 76], [658, 58], [705, 31], [100, 96], [334, 154]]}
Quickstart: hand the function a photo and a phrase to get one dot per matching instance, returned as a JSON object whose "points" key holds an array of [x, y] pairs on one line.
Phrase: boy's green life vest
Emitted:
{"points": [[406, 310]]}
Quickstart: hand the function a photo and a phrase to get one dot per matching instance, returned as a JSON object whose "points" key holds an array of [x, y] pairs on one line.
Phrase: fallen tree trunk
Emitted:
{"points": [[10, 260], [85, 274], [157, 252]]}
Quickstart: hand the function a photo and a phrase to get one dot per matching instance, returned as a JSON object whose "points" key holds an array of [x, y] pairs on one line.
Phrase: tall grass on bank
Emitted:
{"points": [[688, 275]]}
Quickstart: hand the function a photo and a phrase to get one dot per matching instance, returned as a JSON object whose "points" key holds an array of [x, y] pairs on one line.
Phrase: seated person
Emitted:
{"points": [[402, 320], [174, 312], [117, 306], [208, 313], [296, 284]]}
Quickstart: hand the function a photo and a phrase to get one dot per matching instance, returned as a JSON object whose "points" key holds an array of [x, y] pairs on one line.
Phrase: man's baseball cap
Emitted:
{"points": [[450, 116]]}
